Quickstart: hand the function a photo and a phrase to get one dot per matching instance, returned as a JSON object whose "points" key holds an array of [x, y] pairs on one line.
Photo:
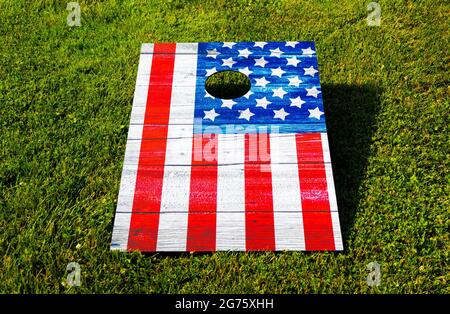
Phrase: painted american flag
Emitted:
{"points": [[208, 174]]}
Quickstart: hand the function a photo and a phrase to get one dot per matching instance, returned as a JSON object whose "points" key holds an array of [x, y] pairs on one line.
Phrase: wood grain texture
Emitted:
{"points": [[229, 173], [190, 185], [178, 138], [119, 239], [147, 197], [190, 48], [288, 234]]}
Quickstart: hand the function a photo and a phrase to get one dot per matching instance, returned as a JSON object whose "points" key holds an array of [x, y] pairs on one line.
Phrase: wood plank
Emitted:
{"points": [[246, 128], [184, 116], [230, 172], [187, 48], [258, 92], [179, 138], [289, 73], [182, 48], [147, 160], [227, 205], [288, 236]]}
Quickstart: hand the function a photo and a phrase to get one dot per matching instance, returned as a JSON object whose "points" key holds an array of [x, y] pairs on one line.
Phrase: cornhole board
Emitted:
{"points": [[208, 174]]}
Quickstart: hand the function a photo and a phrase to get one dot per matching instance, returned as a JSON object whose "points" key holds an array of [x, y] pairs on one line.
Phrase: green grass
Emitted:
{"points": [[65, 101]]}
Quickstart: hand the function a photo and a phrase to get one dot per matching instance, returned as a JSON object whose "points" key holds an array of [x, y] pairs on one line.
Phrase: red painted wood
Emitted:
{"points": [[174, 202], [144, 228], [259, 221], [317, 221], [313, 181], [318, 230], [203, 195]]}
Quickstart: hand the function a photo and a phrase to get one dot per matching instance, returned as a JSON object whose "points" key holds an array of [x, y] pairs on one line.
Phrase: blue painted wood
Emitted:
{"points": [[285, 92]]}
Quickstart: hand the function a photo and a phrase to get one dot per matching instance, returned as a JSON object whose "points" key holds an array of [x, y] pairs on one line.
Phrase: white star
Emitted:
{"points": [[297, 102], [228, 103], [208, 95], [275, 52], [246, 71], [210, 71], [260, 44], [244, 53], [293, 61], [308, 51], [228, 44], [279, 92], [315, 113], [312, 92], [294, 81], [212, 53], [310, 71], [261, 62], [280, 114], [210, 114], [228, 62], [262, 82], [245, 114], [248, 94], [263, 102], [291, 44], [277, 72]]}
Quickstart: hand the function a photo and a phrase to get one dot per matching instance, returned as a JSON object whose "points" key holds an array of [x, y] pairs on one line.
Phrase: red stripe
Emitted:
{"points": [[147, 199], [259, 221], [201, 235], [314, 193]]}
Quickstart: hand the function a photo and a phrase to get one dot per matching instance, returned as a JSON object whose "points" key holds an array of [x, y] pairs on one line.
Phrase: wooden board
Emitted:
{"points": [[207, 174]]}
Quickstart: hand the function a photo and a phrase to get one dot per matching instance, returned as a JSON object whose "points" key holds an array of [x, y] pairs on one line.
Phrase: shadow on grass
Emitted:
{"points": [[350, 111]]}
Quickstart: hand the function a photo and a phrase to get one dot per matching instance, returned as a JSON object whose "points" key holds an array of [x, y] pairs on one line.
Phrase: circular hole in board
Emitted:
{"points": [[227, 84]]}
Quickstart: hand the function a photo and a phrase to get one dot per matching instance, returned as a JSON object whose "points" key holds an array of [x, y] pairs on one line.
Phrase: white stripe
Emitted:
{"points": [[135, 132], [128, 180], [230, 223], [146, 48], [140, 94], [183, 116], [287, 205], [176, 181], [329, 173], [338, 244], [183, 86], [331, 194]]}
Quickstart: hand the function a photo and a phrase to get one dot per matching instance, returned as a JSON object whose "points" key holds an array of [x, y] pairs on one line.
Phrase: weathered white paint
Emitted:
{"points": [[230, 234], [338, 243], [128, 180], [290, 156], [178, 151], [230, 223], [228, 173], [332, 194], [287, 205]]}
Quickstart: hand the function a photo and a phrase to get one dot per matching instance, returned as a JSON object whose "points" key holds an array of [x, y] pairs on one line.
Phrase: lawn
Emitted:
{"points": [[65, 102]]}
